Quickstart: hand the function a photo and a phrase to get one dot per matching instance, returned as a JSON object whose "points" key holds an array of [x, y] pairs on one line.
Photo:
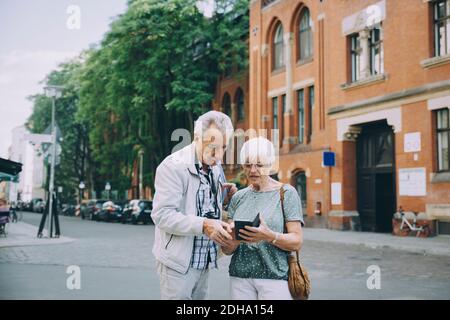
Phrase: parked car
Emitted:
{"points": [[39, 206], [34, 204], [68, 209], [80, 207], [25, 206], [138, 211], [21, 205], [122, 205], [110, 212], [92, 209]]}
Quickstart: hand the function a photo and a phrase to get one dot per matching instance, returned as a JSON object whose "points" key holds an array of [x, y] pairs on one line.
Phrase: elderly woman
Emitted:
{"points": [[259, 265]]}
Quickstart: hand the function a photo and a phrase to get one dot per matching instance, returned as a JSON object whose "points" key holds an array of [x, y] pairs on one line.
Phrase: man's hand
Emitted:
{"points": [[217, 230], [231, 245], [230, 190]]}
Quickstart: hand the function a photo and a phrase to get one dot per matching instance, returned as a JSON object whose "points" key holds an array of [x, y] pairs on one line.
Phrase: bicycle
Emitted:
{"points": [[16, 216], [407, 227]]}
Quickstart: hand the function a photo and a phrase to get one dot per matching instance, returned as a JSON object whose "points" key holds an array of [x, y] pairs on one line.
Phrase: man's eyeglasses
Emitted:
{"points": [[258, 165], [216, 147]]}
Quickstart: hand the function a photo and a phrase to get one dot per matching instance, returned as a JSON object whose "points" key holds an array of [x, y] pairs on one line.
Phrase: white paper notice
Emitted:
{"points": [[412, 182], [336, 193], [412, 142]]}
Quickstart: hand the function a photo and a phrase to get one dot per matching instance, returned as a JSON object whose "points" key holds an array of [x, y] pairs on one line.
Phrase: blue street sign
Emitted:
{"points": [[329, 159]]}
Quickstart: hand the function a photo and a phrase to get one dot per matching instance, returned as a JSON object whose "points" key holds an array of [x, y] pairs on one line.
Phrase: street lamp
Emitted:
{"points": [[108, 188], [53, 92], [81, 186], [141, 173]]}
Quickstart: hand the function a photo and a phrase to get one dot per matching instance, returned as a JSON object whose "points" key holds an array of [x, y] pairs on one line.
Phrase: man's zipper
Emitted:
{"points": [[171, 236]]}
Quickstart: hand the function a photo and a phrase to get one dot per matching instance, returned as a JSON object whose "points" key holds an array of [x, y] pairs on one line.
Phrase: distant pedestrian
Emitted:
{"points": [[13, 212], [4, 216]]}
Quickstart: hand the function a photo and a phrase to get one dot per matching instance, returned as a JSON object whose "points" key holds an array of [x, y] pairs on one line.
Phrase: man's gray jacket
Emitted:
{"points": [[175, 208]]}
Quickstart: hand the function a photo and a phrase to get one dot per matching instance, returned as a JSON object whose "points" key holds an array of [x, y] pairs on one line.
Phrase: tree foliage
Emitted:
{"points": [[155, 70]]}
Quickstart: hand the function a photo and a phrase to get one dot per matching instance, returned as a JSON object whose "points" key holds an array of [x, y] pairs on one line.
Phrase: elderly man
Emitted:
{"points": [[187, 210]]}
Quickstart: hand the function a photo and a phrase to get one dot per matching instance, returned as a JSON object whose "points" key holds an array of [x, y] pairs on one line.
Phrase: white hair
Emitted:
{"points": [[258, 150], [221, 120]]}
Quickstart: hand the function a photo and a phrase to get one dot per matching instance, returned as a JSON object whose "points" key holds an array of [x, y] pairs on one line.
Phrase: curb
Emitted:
{"points": [[23, 234], [433, 246]]}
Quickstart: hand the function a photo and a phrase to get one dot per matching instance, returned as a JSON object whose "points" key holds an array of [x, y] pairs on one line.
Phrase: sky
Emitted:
{"points": [[36, 36]]}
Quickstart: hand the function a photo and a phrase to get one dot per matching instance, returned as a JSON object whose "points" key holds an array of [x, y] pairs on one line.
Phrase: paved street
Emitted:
{"points": [[116, 263]]}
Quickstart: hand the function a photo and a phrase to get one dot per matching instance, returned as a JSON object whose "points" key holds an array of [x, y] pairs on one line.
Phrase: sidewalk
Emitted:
{"points": [[439, 245], [24, 234]]}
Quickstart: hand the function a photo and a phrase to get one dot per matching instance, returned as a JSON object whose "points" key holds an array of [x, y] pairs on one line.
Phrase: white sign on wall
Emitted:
{"points": [[336, 193], [412, 182], [412, 142]]}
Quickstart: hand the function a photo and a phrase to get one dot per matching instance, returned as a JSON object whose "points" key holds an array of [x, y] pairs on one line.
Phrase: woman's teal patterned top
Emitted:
{"points": [[263, 260]]}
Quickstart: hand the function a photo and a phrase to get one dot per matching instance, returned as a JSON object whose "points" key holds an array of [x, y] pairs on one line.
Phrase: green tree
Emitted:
{"points": [[155, 71]]}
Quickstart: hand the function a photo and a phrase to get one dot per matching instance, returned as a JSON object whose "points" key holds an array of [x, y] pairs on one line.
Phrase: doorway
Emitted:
{"points": [[376, 177]]}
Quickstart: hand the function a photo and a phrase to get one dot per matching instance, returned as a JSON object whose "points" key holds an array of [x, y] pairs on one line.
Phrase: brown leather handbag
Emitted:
{"points": [[298, 279]]}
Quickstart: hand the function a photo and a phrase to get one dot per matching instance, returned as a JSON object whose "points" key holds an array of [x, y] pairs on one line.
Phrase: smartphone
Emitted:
{"points": [[240, 224]]}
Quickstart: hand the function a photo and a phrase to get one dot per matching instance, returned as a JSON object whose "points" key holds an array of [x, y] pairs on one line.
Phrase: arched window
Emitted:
{"points": [[300, 185], [240, 104], [275, 112], [278, 48], [226, 104], [305, 38]]}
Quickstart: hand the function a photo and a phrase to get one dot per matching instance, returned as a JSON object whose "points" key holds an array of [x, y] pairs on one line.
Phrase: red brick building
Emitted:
{"points": [[231, 97], [368, 81]]}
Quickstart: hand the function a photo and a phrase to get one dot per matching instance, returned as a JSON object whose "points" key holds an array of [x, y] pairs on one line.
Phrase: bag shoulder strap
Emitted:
{"points": [[282, 192]]}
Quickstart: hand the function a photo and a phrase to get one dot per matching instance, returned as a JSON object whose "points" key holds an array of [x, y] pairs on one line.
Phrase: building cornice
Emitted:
{"points": [[392, 97]]}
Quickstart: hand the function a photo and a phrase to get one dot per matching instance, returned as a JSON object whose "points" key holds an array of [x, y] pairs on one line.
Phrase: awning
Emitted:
{"points": [[8, 177], [9, 170], [10, 167]]}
